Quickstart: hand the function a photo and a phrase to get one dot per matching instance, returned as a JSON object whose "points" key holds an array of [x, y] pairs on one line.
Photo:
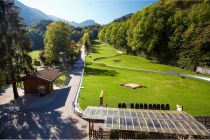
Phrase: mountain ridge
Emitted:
{"points": [[32, 16]]}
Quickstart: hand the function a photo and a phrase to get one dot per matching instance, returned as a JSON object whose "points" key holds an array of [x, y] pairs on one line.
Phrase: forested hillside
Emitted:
{"points": [[30, 15], [37, 31], [170, 32], [36, 34]]}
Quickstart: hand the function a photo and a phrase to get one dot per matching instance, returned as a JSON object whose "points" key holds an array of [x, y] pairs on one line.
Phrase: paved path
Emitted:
{"points": [[8, 95], [51, 120]]}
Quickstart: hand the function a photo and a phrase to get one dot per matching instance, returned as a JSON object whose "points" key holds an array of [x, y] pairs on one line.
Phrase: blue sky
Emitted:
{"points": [[102, 11]]}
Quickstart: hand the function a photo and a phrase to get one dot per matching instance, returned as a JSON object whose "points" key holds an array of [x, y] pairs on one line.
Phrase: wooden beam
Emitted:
{"points": [[101, 98]]}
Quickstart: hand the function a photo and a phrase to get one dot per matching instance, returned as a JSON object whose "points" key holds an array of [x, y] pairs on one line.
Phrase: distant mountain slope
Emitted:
{"points": [[36, 34], [30, 15], [83, 24], [87, 23], [33, 16]]}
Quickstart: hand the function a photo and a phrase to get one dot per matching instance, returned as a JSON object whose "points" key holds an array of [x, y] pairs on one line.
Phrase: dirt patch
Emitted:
{"points": [[132, 85], [117, 60], [120, 52]]}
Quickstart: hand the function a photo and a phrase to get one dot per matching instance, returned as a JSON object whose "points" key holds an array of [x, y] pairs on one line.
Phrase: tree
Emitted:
{"points": [[102, 33], [86, 40], [2, 78], [36, 33], [56, 40], [72, 48], [169, 32], [93, 31], [42, 56], [14, 44]]}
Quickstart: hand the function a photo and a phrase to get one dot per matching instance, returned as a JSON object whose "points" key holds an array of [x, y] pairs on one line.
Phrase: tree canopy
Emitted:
{"points": [[37, 32], [86, 40], [170, 32], [14, 45], [56, 40]]}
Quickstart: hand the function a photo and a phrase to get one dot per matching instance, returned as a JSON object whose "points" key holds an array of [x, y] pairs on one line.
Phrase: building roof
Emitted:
{"points": [[156, 121], [48, 74]]}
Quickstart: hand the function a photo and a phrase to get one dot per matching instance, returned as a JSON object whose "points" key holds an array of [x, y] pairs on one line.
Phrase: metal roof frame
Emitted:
{"points": [[156, 121]]}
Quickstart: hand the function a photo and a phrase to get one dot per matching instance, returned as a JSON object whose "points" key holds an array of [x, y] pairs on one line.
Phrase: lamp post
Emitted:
{"points": [[61, 56], [61, 59]]}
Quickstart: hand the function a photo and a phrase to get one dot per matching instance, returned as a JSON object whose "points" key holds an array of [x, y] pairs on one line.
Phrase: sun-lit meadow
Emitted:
{"points": [[193, 94]]}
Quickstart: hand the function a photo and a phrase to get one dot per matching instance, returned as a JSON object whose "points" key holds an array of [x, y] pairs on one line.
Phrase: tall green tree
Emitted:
{"points": [[36, 33], [101, 34], [86, 40], [169, 32], [14, 44], [72, 49], [56, 40]]}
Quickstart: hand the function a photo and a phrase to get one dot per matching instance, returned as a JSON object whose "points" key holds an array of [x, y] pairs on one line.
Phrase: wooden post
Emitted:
{"points": [[101, 98], [91, 128]]}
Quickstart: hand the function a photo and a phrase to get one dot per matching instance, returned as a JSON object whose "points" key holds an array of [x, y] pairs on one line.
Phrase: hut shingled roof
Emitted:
{"points": [[48, 74]]}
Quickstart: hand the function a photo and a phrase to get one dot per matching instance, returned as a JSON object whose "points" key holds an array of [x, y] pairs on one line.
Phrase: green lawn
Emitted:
{"points": [[35, 55], [60, 82], [191, 93], [131, 61]]}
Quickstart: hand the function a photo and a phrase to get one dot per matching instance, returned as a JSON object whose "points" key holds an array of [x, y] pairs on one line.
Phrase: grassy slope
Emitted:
{"points": [[133, 61], [61, 80], [35, 55], [191, 93]]}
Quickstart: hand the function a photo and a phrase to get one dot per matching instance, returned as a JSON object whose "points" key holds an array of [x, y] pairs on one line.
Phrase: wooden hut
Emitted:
{"points": [[40, 82]]}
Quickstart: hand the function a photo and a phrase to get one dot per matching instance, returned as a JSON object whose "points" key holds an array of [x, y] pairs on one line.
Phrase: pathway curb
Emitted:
{"points": [[75, 104]]}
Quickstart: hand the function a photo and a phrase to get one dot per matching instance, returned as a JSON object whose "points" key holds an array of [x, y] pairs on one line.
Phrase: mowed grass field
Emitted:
{"points": [[35, 55], [193, 94]]}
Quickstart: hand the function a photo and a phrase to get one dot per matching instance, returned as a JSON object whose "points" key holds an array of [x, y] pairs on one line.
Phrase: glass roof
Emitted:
{"points": [[161, 121]]}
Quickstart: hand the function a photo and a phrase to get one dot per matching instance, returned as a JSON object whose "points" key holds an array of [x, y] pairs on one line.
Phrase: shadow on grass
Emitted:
{"points": [[94, 46], [88, 63], [82, 98], [97, 43], [94, 50], [153, 62], [100, 72], [44, 122], [101, 58]]}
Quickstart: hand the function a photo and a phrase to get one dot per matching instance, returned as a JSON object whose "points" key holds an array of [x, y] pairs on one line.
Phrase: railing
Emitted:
{"points": [[78, 90], [204, 120], [114, 134], [97, 134], [75, 104]]}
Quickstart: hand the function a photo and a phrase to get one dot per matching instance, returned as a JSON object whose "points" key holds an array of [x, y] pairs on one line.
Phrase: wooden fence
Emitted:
{"points": [[120, 134]]}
